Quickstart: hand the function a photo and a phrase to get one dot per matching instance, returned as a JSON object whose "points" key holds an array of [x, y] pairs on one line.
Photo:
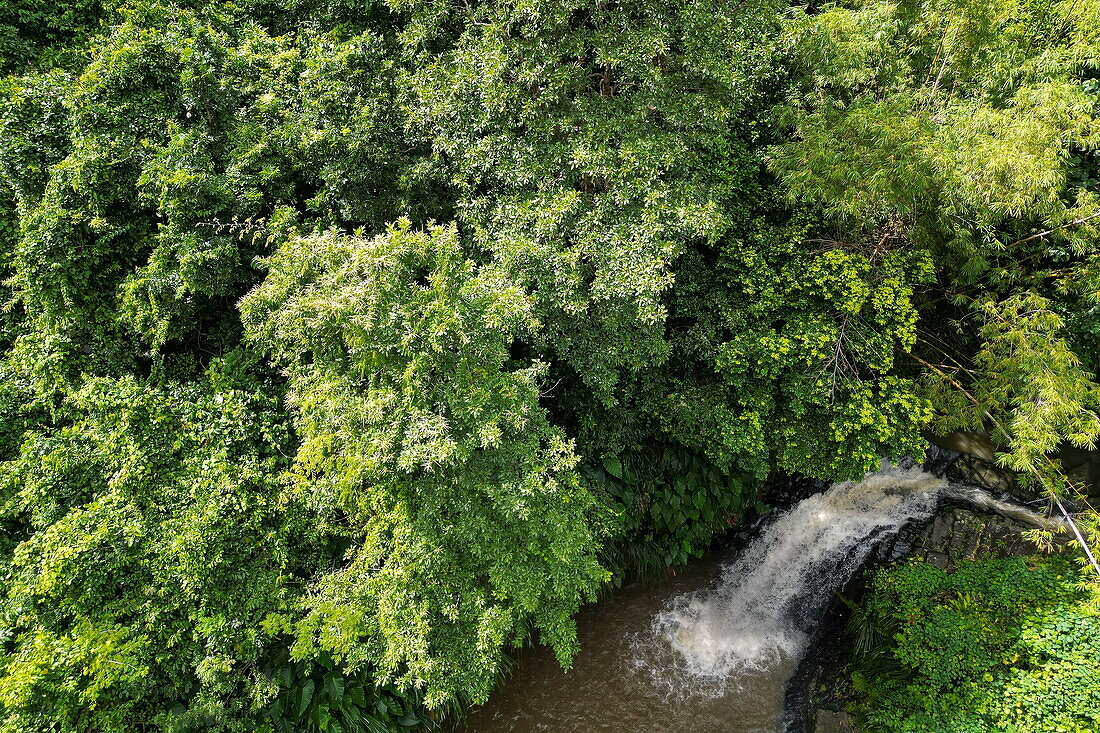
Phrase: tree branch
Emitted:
{"points": [[1073, 223]]}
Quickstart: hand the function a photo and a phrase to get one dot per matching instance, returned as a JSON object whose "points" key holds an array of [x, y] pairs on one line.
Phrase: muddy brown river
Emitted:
{"points": [[623, 680]]}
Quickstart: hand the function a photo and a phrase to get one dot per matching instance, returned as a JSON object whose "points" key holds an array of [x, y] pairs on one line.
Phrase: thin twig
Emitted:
{"points": [[1082, 220], [1077, 532]]}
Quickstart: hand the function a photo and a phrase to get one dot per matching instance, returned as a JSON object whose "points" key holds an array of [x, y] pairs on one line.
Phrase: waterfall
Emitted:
{"points": [[760, 615], [762, 610]]}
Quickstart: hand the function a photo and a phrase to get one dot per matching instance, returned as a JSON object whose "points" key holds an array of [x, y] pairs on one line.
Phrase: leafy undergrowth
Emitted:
{"points": [[1000, 646]]}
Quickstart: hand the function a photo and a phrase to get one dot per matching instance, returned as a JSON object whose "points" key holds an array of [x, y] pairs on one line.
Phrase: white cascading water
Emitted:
{"points": [[761, 613]]}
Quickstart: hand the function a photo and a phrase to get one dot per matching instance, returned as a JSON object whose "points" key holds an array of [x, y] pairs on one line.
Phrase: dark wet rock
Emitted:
{"points": [[969, 458], [1082, 467], [784, 491], [972, 470], [968, 442], [958, 535]]}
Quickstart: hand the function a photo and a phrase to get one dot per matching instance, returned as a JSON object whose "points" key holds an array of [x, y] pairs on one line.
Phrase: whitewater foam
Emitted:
{"points": [[765, 604]]}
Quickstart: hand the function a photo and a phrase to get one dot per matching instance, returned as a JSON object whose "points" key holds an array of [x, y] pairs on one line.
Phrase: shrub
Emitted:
{"points": [[1000, 645]]}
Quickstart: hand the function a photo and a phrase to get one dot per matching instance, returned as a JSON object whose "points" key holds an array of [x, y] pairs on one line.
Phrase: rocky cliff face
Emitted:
{"points": [[958, 534]]}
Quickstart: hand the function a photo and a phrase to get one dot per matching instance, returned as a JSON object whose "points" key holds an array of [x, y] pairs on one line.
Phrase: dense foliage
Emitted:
{"points": [[346, 345], [969, 130], [999, 645]]}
